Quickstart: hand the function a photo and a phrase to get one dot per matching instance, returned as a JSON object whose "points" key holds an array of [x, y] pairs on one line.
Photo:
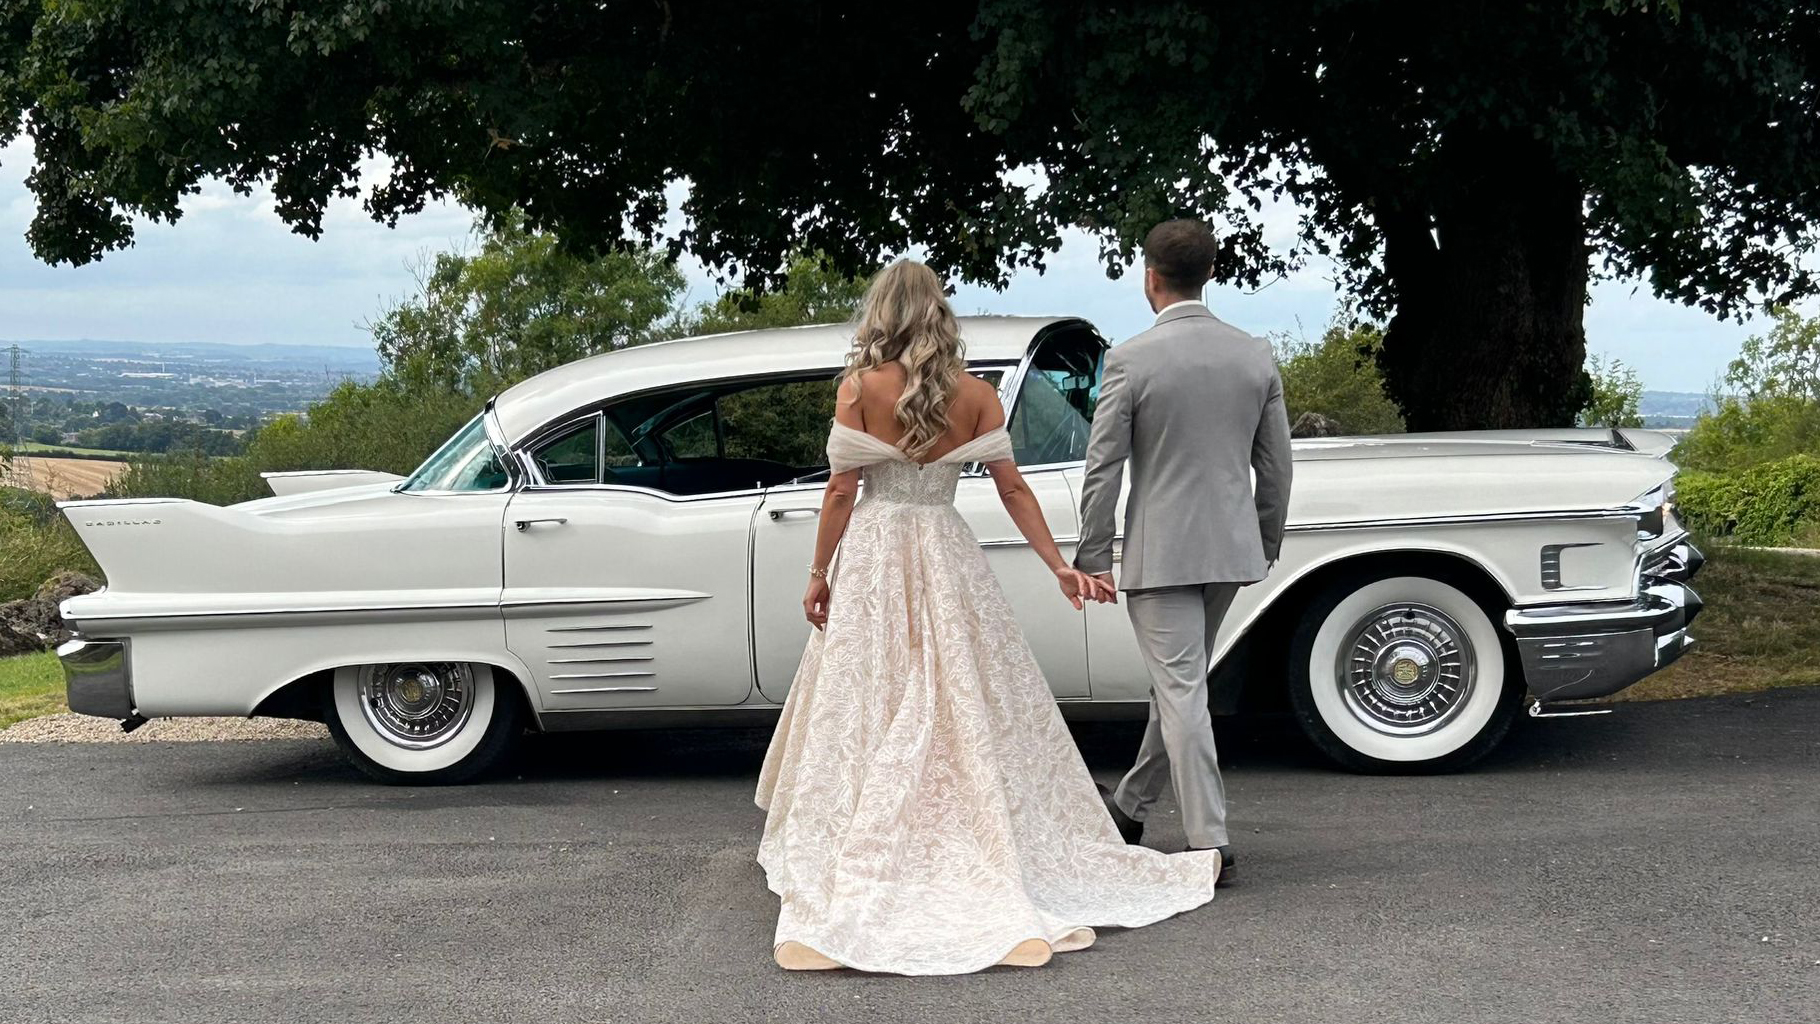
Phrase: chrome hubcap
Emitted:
{"points": [[1405, 669], [418, 705]]}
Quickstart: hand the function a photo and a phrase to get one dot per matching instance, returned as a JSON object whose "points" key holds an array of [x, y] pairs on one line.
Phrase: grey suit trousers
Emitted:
{"points": [[1175, 631]]}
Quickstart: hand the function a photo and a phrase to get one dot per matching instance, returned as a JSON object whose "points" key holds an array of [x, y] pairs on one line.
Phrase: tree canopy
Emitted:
{"points": [[1466, 165], [518, 305]]}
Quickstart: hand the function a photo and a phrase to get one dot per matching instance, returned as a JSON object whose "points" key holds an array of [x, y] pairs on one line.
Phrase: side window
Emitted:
{"points": [[693, 438], [573, 458], [782, 423], [1054, 412], [465, 462], [615, 451], [719, 438]]}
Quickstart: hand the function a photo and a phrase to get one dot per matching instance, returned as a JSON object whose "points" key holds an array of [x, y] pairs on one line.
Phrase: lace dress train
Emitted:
{"points": [[928, 809]]}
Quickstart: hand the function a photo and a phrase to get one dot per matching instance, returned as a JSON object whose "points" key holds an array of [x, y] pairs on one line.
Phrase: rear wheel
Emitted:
{"points": [[422, 723], [1402, 673]]}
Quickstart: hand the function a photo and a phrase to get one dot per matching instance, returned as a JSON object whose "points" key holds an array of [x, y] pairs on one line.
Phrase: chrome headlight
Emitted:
{"points": [[1658, 506]]}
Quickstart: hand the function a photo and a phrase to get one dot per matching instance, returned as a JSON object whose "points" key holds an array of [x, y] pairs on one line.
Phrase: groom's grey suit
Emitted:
{"points": [[1195, 406]]}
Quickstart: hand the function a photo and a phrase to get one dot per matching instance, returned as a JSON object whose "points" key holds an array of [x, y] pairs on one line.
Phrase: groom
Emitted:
{"points": [[1195, 405]]}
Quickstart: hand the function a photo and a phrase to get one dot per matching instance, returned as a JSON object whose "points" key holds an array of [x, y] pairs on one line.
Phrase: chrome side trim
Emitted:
{"points": [[97, 502], [316, 472], [235, 613], [596, 661], [609, 689], [592, 629], [603, 643], [1019, 542], [602, 675], [654, 597], [1620, 512]]}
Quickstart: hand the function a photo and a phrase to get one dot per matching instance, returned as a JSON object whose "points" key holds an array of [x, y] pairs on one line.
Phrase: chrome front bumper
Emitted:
{"points": [[99, 677], [1575, 651]]}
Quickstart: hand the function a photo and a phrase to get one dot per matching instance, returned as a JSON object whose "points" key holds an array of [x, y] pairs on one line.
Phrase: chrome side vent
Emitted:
{"points": [[1551, 565]]}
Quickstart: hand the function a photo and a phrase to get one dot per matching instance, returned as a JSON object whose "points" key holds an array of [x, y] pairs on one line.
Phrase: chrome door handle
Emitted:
{"points": [[526, 524], [793, 513]]}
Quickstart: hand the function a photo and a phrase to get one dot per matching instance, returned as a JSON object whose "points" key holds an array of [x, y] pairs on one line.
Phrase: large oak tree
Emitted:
{"points": [[1467, 164]]}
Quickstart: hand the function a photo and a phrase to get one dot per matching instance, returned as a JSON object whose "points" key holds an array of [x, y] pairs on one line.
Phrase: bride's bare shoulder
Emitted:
{"points": [[978, 404], [977, 388]]}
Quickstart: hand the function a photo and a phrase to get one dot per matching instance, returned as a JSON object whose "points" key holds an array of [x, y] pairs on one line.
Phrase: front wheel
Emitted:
{"points": [[422, 723], [1404, 673]]}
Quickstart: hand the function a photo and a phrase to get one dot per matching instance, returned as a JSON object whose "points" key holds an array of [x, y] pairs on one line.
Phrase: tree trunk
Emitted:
{"points": [[1489, 279]]}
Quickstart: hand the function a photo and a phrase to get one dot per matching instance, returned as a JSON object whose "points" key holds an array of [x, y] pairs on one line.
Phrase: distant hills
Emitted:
{"points": [[354, 359], [1673, 408]]}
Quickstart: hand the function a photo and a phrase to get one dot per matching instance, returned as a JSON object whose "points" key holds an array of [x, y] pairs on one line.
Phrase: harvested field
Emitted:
{"points": [[63, 478]]}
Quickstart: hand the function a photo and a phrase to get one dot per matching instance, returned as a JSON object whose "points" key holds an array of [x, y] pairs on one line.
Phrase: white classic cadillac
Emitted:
{"points": [[621, 542]]}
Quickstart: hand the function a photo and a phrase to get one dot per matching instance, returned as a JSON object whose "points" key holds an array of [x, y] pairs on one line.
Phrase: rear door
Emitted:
{"points": [[1051, 411], [624, 596]]}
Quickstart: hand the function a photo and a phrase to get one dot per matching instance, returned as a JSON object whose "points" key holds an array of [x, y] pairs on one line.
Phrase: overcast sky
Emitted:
{"points": [[230, 271]]}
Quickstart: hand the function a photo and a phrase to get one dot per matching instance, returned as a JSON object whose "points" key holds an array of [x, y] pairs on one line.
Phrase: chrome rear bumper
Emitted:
{"points": [[99, 677], [1571, 652]]}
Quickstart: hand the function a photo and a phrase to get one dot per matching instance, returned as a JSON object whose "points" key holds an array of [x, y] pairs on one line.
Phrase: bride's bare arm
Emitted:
{"points": [[837, 509], [1025, 511], [1020, 501]]}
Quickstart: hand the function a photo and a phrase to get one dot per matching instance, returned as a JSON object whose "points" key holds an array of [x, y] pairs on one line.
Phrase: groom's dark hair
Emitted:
{"points": [[1182, 253]]}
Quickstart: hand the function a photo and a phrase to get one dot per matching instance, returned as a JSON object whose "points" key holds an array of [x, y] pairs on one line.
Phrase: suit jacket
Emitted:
{"points": [[1195, 405]]}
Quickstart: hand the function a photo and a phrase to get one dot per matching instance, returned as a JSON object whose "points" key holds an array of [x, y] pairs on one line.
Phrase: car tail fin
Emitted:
{"points": [[138, 542], [305, 481]]}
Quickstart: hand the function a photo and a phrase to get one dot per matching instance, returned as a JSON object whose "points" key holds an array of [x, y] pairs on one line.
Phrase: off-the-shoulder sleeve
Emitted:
{"points": [[853, 449], [992, 446]]}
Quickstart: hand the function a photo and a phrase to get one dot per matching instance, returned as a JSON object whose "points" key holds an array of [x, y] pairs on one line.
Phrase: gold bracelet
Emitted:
{"points": [[820, 574]]}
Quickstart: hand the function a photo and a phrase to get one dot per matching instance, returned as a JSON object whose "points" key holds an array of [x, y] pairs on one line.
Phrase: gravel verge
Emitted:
{"points": [[74, 728]]}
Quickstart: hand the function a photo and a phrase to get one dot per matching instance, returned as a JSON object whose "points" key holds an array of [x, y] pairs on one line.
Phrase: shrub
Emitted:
{"points": [[1772, 406], [1338, 378], [1772, 503], [36, 506], [31, 551], [217, 481], [387, 425]]}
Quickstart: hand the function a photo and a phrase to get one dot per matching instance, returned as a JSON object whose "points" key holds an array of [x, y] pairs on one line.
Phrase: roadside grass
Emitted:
{"points": [[30, 685], [1760, 627]]}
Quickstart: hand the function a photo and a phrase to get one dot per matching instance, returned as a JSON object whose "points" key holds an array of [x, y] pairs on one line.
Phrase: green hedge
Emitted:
{"points": [[33, 549], [1773, 503]]}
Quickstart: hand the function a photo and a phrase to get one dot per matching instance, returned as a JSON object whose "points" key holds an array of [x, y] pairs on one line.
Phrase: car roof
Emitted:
{"points": [[532, 404]]}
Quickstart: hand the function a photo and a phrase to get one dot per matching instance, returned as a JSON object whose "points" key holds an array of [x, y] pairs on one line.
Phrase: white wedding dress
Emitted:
{"points": [[928, 808]]}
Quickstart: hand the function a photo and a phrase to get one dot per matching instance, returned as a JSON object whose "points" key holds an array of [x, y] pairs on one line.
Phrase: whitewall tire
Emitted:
{"points": [[422, 722], [1403, 673]]}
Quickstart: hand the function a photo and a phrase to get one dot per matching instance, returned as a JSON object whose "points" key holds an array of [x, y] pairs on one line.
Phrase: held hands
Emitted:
{"points": [[1078, 587]]}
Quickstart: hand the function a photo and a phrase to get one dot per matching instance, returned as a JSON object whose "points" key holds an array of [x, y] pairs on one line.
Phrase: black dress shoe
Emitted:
{"points": [[1228, 870], [1130, 829]]}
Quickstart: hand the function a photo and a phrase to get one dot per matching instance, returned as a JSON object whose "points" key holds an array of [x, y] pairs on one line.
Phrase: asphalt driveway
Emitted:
{"points": [[1661, 864]]}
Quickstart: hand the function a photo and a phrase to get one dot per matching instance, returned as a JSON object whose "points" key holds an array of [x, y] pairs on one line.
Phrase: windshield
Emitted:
{"points": [[466, 462]]}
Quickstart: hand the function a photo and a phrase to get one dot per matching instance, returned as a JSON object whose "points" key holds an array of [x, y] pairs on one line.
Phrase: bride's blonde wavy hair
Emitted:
{"points": [[905, 318]]}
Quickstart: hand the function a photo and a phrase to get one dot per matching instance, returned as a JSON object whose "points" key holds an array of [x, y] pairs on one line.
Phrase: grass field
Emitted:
{"points": [[1760, 629], [30, 685]]}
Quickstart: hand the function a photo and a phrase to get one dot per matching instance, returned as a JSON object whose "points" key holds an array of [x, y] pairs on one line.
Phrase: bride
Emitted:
{"points": [[928, 810]]}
